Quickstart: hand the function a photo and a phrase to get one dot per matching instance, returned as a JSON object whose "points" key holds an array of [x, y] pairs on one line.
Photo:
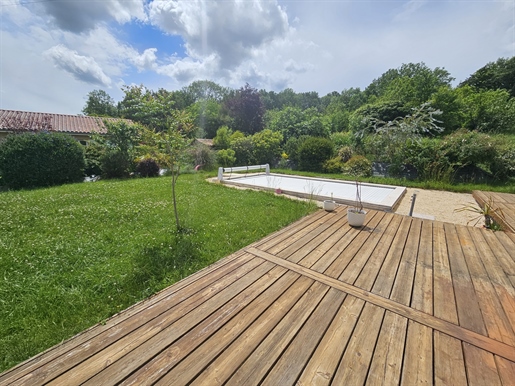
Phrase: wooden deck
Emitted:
{"points": [[401, 301], [503, 201]]}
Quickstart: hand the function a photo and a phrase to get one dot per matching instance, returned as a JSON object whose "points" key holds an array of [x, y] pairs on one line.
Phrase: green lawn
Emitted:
{"points": [[74, 255]]}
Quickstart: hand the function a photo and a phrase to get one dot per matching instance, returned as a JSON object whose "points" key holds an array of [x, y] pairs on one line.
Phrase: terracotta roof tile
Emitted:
{"points": [[74, 124]]}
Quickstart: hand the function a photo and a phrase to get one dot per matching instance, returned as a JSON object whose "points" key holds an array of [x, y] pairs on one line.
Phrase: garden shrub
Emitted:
{"points": [[345, 153], [202, 155], [358, 166], [291, 148], [225, 157], [116, 164], [92, 154], [503, 164], [314, 152], [267, 146], [341, 139], [428, 158], [43, 159], [244, 150], [333, 165], [147, 167]]}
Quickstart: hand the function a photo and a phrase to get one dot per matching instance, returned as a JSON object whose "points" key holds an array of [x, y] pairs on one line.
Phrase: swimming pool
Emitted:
{"points": [[373, 196]]}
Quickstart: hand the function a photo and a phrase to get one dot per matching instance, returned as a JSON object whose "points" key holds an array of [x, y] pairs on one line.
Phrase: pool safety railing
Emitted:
{"points": [[221, 170]]}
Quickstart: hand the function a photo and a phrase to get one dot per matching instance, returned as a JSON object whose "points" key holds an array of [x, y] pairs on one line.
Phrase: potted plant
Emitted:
{"points": [[330, 205], [356, 215]]}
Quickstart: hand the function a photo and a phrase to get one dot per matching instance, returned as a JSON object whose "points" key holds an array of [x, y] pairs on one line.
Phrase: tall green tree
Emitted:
{"points": [[412, 83], [246, 110], [152, 109], [100, 104], [494, 75]]}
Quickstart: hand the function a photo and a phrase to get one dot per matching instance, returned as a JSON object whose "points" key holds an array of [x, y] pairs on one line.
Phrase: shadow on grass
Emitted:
{"points": [[161, 265]]}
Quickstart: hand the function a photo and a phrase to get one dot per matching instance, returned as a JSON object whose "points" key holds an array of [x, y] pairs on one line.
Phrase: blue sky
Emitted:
{"points": [[53, 52]]}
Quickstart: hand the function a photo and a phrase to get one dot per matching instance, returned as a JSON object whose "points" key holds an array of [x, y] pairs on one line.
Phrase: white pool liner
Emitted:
{"points": [[373, 196]]}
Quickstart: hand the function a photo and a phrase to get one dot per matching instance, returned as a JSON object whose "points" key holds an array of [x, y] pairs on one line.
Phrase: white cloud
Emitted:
{"points": [[145, 61], [80, 16], [82, 68], [229, 30]]}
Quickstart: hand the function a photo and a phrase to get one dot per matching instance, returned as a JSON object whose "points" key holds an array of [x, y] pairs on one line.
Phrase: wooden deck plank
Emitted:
{"points": [[501, 246], [289, 366], [323, 364], [496, 321], [418, 356], [422, 298], [444, 303], [155, 312], [503, 201], [228, 361], [279, 238], [262, 359], [208, 349], [380, 253], [469, 313], [402, 288], [157, 356], [322, 240], [338, 266], [467, 335], [449, 363], [353, 270], [386, 365], [481, 367], [354, 365], [154, 336], [448, 353]]}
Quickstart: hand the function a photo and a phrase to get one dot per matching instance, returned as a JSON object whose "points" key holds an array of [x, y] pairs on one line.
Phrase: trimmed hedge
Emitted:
{"points": [[313, 153], [31, 160]]}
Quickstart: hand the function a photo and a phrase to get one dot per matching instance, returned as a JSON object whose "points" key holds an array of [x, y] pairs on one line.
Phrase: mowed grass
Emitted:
{"points": [[74, 255]]}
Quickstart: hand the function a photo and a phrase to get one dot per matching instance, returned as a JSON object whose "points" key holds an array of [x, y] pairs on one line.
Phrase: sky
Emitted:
{"points": [[54, 52]]}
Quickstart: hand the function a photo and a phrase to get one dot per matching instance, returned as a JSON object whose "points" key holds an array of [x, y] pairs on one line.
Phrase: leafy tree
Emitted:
{"points": [[120, 143], [295, 122], [267, 146], [412, 83], [393, 135], [448, 101], [385, 111], [170, 149], [226, 157], [487, 110], [222, 140], [247, 110], [244, 150], [100, 104], [494, 75], [208, 116], [152, 109], [202, 90]]}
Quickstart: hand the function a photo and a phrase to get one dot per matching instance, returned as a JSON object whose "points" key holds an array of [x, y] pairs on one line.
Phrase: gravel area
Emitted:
{"points": [[440, 205]]}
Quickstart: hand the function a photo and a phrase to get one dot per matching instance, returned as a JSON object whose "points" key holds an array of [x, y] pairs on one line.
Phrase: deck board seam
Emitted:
{"points": [[455, 331]]}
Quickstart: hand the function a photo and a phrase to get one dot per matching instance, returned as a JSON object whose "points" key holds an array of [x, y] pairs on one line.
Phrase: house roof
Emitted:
{"points": [[205, 141], [73, 124]]}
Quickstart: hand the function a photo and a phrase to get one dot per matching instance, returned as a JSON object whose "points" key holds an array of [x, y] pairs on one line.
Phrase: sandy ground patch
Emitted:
{"points": [[441, 205]]}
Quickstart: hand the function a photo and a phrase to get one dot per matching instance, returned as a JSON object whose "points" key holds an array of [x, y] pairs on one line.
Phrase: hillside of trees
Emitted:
{"points": [[409, 117]]}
